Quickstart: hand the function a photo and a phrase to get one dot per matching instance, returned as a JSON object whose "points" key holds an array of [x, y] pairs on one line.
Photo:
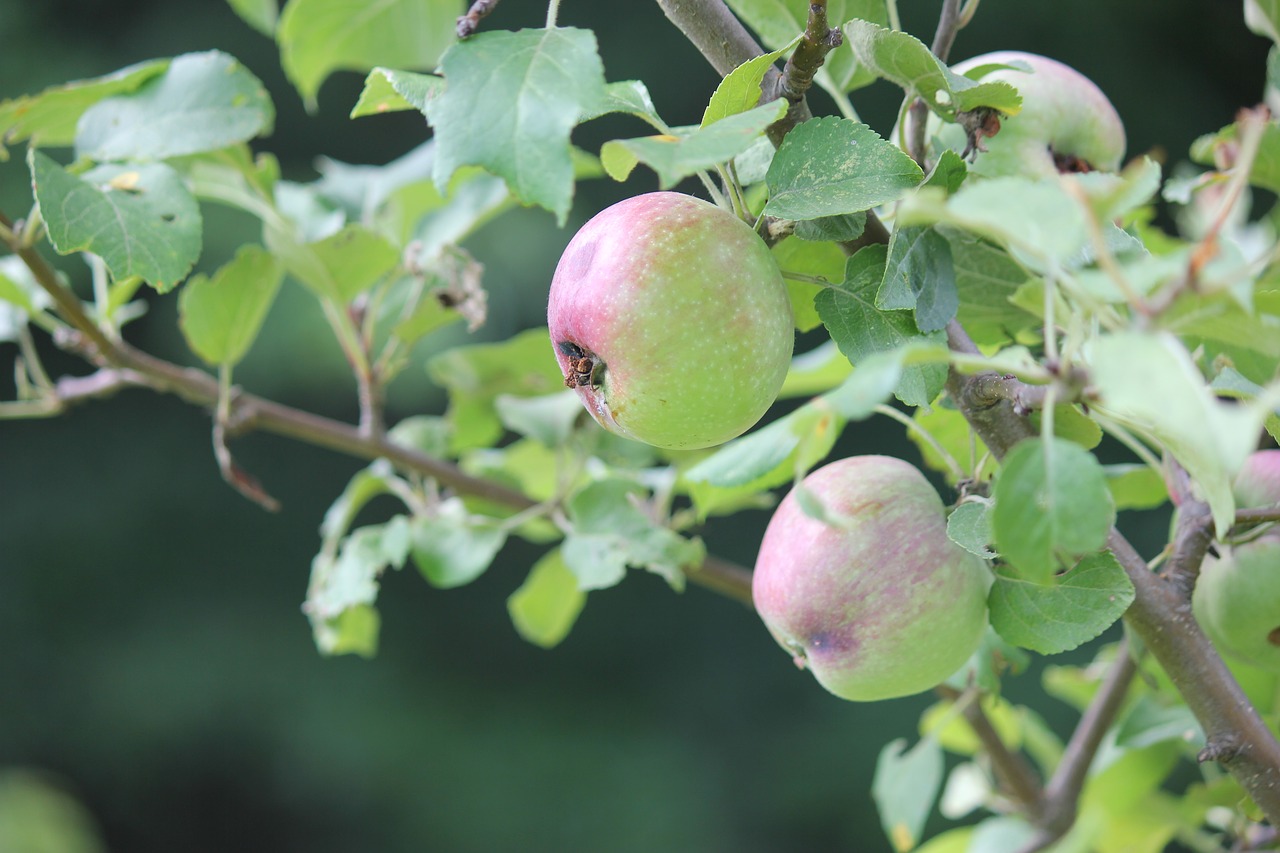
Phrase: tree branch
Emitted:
{"points": [[1014, 775], [797, 77], [1161, 617], [949, 23]]}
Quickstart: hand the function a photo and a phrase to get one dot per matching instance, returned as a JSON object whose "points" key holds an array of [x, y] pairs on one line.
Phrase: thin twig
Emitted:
{"points": [[818, 40], [1014, 774], [949, 23], [470, 22]]}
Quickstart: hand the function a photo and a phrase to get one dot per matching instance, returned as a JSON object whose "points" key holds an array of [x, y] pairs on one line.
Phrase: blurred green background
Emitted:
{"points": [[154, 662]]}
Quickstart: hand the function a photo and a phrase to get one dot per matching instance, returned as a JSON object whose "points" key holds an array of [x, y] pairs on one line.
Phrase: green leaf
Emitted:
{"points": [[1051, 502], [830, 166], [202, 102], [344, 586], [823, 260], [861, 330], [1001, 834], [905, 786], [1150, 721], [739, 91], [1231, 383], [427, 434], [510, 102], [475, 375], [906, 61], [451, 547], [1059, 616], [685, 152], [547, 604], [20, 297], [341, 266], [878, 375], [820, 369], [838, 229], [317, 37], [548, 418], [387, 90], [948, 173], [1135, 486], [139, 218], [1263, 17], [919, 276], [49, 118], [760, 458], [220, 317], [609, 533], [1072, 424], [259, 14], [986, 279], [1149, 383], [969, 526], [627, 96], [1034, 219]]}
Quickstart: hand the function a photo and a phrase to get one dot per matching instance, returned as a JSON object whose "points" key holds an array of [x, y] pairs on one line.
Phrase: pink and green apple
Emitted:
{"points": [[875, 600], [1237, 602], [670, 319], [1258, 482], [1066, 123]]}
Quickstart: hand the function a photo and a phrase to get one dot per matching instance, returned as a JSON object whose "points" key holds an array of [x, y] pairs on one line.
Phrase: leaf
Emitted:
{"points": [[341, 266], [49, 118], [452, 548], [344, 586], [510, 102], [627, 96], [1135, 486], [1230, 383], [823, 260], [986, 279], [547, 604], [610, 533], [1034, 219], [1072, 424], [1001, 834], [387, 90], [678, 155], [969, 526], [830, 166], [861, 330], [758, 458], [739, 91], [838, 229], [820, 369], [220, 317], [906, 61], [139, 218], [878, 375], [317, 37], [259, 14], [919, 276], [1059, 616], [1149, 383], [905, 786], [20, 297], [1051, 501], [547, 418], [202, 102], [476, 374]]}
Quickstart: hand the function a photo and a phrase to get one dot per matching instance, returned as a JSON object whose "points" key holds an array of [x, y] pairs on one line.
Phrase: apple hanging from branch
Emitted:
{"points": [[874, 600], [670, 319]]}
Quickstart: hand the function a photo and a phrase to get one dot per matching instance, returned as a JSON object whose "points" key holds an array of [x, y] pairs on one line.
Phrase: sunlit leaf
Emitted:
{"points": [[221, 316], [547, 604], [387, 90], [739, 91], [452, 548], [1058, 616]]}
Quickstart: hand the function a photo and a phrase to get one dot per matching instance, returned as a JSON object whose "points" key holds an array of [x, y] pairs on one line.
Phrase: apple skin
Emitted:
{"points": [[883, 605], [1237, 602], [684, 314], [1258, 483], [1066, 123]]}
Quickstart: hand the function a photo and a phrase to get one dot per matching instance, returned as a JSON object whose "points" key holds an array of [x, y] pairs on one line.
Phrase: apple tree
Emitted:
{"points": [[991, 274]]}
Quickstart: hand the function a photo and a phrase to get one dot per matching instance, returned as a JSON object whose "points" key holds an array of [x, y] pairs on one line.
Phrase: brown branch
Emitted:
{"points": [[818, 40], [1014, 774], [1062, 794], [470, 22], [949, 23], [1192, 537], [1161, 617]]}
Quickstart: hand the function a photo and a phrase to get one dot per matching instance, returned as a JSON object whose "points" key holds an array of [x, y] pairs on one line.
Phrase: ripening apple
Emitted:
{"points": [[1066, 123], [1237, 602], [874, 600], [1258, 482], [670, 319]]}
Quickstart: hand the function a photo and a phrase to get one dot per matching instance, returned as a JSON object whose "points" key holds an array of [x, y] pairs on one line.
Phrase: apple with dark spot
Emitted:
{"points": [[670, 319], [872, 598]]}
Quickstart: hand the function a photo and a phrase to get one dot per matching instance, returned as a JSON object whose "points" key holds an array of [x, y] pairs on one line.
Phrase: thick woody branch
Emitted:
{"points": [[818, 40], [1161, 617], [716, 33]]}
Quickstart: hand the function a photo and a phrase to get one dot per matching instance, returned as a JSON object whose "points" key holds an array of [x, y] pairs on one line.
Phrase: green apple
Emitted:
{"points": [[1066, 123], [1237, 602], [874, 600], [670, 318]]}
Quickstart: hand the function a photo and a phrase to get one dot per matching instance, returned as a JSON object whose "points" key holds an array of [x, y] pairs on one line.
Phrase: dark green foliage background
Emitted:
{"points": [[152, 652]]}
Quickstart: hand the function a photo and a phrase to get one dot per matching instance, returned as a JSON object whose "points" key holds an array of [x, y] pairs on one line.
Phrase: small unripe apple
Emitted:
{"points": [[670, 318], [879, 602], [1237, 602], [1066, 123], [1258, 482]]}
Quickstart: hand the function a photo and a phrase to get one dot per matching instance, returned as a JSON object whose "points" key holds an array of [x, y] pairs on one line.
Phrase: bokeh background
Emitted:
{"points": [[155, 667]]}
